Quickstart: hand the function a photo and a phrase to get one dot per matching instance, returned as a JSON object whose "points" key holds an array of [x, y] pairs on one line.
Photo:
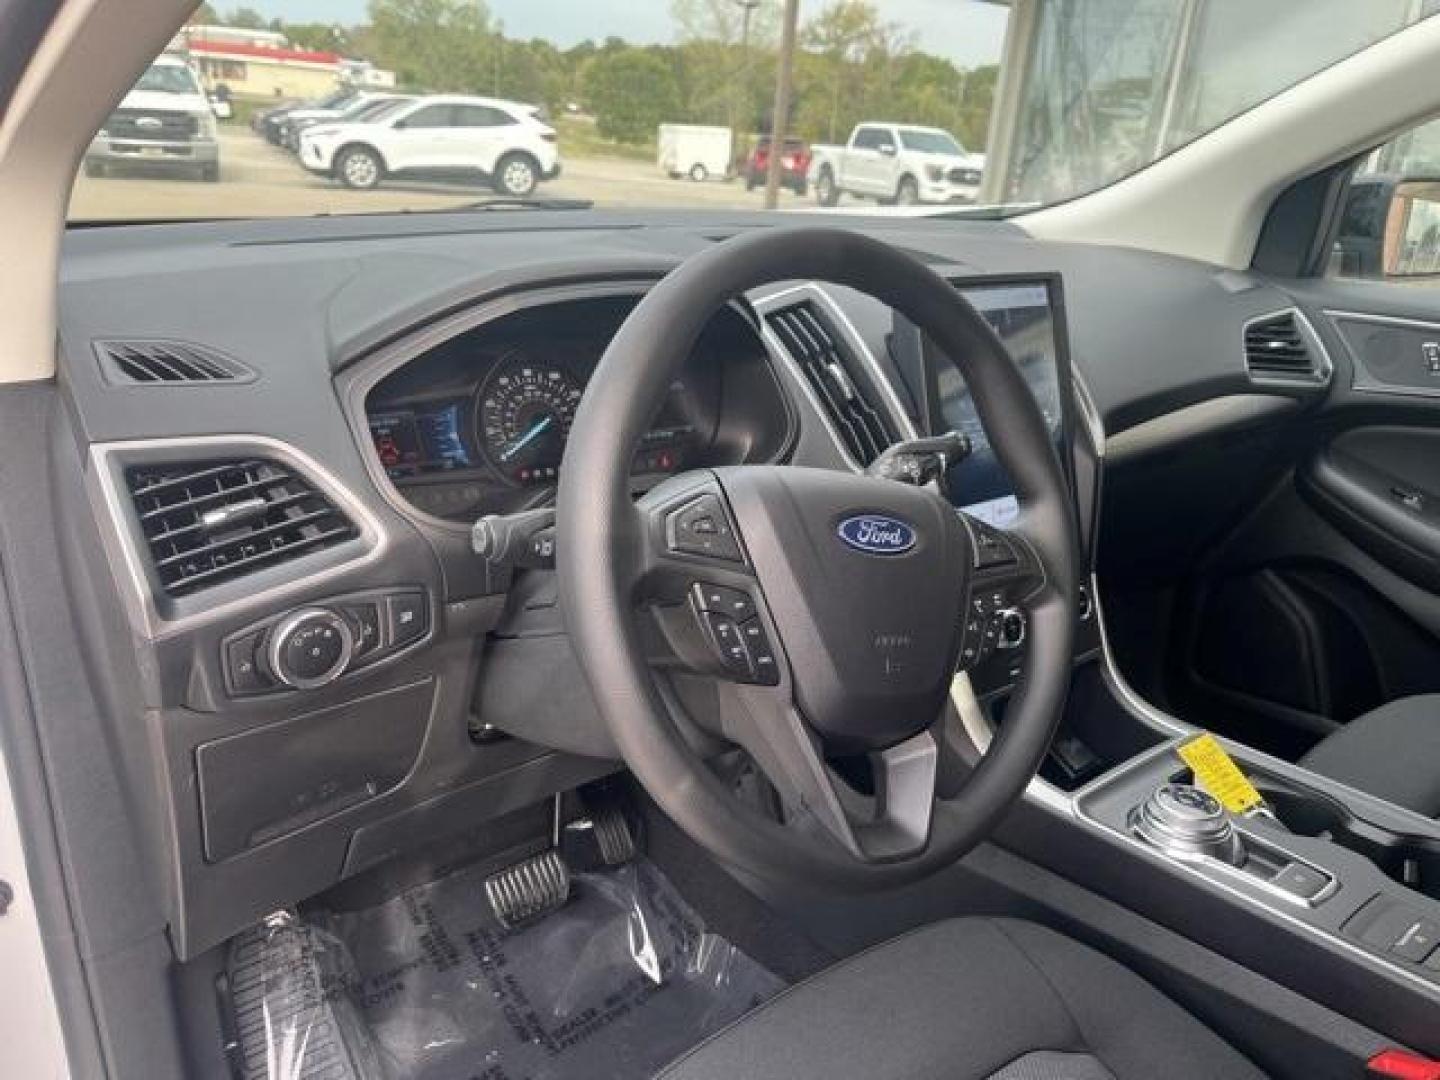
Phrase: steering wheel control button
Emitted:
{"points": [[406, 617], [310, 648], [242, 664], [736, 603], [762, 656], [1010, 628], [991, 549], [700, 527], [725, 636]]}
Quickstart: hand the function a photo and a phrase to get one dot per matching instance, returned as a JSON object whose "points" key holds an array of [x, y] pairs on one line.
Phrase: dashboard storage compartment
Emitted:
{"points": [[273, 780]]}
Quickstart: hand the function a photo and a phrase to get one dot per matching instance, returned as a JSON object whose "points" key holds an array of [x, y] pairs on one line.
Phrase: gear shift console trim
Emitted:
{"points": [[1188, 824]]}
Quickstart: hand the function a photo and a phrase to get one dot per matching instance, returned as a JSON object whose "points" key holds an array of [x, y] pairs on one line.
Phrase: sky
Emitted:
{"points": [[968, 32]]}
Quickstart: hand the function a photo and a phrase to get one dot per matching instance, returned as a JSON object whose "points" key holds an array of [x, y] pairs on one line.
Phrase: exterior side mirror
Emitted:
{"points": [[888, 149], [1389, 228]]}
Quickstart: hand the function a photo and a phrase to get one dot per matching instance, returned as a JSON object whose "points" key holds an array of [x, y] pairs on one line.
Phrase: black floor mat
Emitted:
{"points": [[617, 983]]}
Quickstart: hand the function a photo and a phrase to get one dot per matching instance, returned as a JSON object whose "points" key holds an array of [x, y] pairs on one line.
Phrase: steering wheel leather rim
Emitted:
{"points": [[599, 532]]}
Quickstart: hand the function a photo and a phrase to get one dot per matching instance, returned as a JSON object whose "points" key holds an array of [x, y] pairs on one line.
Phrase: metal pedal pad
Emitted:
{"points": [[598, 840], [529, 890]]}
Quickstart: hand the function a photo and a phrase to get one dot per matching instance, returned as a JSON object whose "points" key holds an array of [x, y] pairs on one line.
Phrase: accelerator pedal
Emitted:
{"points": [[598, 840]]}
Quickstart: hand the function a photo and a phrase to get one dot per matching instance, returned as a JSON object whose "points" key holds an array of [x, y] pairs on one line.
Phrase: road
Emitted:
{"points": [[260, 180]]}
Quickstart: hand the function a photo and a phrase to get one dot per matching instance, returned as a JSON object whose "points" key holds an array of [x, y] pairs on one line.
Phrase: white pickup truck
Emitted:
{"points": [[896, 163]]}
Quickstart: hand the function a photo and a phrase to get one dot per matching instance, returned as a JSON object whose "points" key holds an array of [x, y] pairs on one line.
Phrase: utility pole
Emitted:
{"points": [[742, 84], [780, 126]]}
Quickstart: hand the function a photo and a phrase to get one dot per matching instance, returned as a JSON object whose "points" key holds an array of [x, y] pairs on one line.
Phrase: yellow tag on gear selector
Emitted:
{"points": [[1215, 770]]}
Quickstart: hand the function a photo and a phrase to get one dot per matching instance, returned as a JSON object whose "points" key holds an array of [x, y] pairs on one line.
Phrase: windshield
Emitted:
{"points": [[930, 142], [168, 79], [656, 104]]}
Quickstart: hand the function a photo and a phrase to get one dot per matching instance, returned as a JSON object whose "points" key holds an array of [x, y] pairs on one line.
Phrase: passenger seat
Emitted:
{"points": [[1392, 752]]}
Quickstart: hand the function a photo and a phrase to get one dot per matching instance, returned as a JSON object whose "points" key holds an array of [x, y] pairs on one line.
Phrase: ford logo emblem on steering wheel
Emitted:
{"points": [[876, 534]]}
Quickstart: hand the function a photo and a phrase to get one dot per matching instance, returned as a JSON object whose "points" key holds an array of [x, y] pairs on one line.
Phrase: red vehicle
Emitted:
{"points": [[794, 165]]}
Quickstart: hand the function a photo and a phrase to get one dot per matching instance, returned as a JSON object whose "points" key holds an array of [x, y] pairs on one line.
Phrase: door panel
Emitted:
{"points": [[1381, 488], [1324, 602]]}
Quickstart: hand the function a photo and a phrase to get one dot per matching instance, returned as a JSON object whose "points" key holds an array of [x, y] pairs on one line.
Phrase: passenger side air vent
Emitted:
{"points": [[834, 374], [145, 362], [208, 522], [1278, 348]]}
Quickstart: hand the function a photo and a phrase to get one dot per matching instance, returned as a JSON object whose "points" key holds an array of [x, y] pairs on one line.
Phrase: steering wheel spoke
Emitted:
{"points": [[694, 577], [876, 806]]}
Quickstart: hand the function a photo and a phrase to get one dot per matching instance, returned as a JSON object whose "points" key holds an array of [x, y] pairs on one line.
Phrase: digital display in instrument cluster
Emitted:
{"points": [[422, 440]]}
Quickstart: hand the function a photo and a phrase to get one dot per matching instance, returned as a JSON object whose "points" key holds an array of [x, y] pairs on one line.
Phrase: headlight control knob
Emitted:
{"points": [[309, 648]]}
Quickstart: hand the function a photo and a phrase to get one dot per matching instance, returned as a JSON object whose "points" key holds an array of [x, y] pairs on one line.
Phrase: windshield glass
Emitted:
{"points": [[168, 79], [652, 104], [929, 142]]}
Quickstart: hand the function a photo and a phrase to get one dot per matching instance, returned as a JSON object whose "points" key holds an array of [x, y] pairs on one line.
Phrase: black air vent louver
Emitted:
{"points": [[833, 373], [1276, 348], [161, 362], [208, 522]]}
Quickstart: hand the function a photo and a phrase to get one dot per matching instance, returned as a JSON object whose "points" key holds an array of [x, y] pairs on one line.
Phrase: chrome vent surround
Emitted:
{"points": [[833, 373], [154, 362], [214, 521], [1281, 348]]}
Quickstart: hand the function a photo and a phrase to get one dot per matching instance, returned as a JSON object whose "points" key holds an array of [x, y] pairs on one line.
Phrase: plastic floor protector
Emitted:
{"points": [[613, 986]]}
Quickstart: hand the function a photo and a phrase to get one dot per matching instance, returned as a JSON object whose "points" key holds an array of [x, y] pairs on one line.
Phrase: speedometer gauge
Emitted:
{"points": [[523, 415]]}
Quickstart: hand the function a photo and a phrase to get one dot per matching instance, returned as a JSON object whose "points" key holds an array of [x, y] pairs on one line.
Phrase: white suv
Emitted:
{"points": [[503, 141]]}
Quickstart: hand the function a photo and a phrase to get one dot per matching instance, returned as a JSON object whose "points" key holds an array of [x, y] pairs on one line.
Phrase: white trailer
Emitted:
{"points": [[695, 150]]}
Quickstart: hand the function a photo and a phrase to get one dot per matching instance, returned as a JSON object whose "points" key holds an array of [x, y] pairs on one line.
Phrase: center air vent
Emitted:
{"points": [[208, 522], [160, 362], [834, 373], [1279, 349]]}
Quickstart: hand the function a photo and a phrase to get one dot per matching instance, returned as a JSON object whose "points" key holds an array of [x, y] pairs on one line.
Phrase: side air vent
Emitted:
{"points": [[159, 362], [834, 374], [1278, 348], [215, 521]]}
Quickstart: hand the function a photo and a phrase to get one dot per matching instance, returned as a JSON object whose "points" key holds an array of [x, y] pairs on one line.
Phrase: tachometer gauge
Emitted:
{"points": [[523, 416]]}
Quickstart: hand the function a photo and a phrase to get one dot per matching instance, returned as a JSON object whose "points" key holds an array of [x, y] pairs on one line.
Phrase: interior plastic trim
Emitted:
{"points": [[128, 558]]}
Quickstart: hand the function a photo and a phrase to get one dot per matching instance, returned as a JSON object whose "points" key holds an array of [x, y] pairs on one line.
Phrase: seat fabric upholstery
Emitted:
{"points": [[1392, 752], [969, 999]]}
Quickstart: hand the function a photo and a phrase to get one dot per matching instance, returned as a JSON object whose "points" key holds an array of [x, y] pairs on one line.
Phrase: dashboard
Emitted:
{"points": [[344, 680], [478, 423]]}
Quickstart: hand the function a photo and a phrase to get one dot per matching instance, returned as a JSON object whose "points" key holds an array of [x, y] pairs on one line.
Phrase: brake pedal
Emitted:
{"points": [[529, 890]]}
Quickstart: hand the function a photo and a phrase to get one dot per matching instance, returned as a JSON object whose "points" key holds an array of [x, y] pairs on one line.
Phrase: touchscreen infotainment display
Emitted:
{"points": [[1023, 316]]}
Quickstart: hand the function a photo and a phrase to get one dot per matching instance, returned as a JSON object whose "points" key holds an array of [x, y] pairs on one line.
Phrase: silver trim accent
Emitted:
{"points": [[1361, 380], [129, 558], [855, 340], [288, 626], [1067, 806], [1324, 366]]}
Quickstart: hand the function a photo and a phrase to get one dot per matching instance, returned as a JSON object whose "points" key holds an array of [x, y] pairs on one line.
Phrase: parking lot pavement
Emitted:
{"points": [[260, 180]]}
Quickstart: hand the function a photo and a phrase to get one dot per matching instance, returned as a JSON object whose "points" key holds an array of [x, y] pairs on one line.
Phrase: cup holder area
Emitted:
{"points": [[1414, 861]]}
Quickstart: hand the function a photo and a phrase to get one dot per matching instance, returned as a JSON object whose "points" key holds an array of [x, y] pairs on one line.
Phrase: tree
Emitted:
{"points": [[631, 92], [319, 37], [436, 44], [204, 15], [246, 18]]}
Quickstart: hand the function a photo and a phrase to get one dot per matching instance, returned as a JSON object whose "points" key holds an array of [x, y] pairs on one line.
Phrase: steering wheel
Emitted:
{"points": [[812, 617]]}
